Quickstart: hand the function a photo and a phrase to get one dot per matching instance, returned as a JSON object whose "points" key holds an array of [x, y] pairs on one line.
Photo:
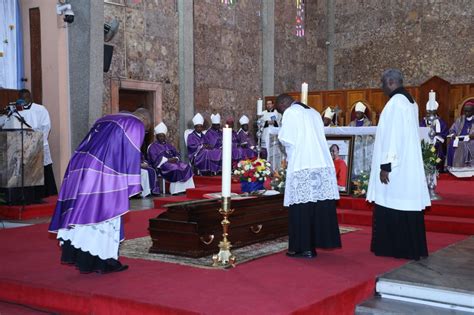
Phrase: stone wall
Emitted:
{"points": [[299, 60], [423, 38], [227, 56], [146, 49]]}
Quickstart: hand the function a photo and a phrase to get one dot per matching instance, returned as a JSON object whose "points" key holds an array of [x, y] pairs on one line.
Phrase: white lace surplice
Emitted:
{"points": [[311, 175]]}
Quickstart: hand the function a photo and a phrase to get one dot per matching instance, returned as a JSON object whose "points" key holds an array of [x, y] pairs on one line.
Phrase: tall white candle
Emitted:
{"points": [[431, 100], [226, 160], [304, 93], [260, 107]]}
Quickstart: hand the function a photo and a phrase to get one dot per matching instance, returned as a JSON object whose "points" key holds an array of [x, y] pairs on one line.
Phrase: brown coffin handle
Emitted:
{"points": [[209, 238], [256, 229]]}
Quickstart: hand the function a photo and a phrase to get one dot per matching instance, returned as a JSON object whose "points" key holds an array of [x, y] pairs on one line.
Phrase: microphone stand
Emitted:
{"points": [[23, 123]]}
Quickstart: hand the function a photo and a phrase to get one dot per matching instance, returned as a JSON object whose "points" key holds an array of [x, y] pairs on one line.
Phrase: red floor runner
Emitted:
{"points": [[31, 211], [333, 283]]}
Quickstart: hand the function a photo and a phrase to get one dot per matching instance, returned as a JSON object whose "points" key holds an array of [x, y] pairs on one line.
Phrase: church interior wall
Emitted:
{"points": [[423, 38]]}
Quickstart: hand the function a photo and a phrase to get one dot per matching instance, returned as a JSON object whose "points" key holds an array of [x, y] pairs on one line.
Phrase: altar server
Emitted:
{"points": [[272, 119], [311, 189], [461, 134], [361, 119], [102, 174], [397, 181], [164, 157], [204, 159]]}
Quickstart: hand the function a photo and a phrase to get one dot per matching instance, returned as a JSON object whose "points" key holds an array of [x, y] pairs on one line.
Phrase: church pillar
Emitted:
{"points": [[268, 47], [86, 53], [186, 68], [330, 43]]}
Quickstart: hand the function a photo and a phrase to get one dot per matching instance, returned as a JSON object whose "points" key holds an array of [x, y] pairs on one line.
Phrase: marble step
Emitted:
{"points": [[381, 306], [444, 279]]}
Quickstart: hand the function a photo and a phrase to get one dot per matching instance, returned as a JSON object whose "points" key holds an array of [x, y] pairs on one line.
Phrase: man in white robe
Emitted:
{"points": [[311, 187], [397, 181], [37, 117]]}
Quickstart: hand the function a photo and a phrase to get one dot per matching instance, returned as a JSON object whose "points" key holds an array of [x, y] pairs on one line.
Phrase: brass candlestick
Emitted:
{"points": [[224, 258]]}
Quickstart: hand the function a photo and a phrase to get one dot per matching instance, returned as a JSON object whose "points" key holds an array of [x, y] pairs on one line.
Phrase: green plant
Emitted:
{"points": [[430, 157]]}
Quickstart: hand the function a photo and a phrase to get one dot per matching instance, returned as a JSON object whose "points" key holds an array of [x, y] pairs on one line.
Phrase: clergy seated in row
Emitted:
{"points": [[164, 157], [205, 158], [246, 140], [328, 117], [239, 152], [461, 134], [441, 129], [361, 119]]}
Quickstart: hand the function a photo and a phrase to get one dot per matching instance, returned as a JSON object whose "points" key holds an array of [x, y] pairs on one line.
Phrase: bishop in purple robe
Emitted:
{"points": [[361, 119], [441, 129], [212, 141], [461, 146], [164, 157], [245, 140], [200, 155], [102, 174]]}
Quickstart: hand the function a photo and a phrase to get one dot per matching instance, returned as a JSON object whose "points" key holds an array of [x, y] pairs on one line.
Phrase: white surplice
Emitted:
{"points": [[397, 142], [311, 175]]}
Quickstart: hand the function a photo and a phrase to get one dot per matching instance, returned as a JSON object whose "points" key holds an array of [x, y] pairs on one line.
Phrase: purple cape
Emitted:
{"points": [[172, 172], [245, 142], [102, 174]]}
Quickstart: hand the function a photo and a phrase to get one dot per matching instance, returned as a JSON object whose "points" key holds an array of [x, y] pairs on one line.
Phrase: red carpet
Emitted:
{"points": [[31, 275], [27, 212]]}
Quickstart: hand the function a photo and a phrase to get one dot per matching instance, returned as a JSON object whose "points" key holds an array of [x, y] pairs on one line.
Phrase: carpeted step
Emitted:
{"points": [[159, 202], [433, 223], [207, 180], [451, 209], [32, 211], [354, 203]]}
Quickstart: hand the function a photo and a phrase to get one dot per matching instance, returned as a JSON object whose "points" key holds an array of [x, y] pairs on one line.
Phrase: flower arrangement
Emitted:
{"points": [[430, 157], [253, 170], [361, 184], [279, 178]]}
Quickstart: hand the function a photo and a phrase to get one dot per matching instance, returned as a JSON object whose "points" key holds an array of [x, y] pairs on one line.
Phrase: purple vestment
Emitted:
{"points": [[172, 172], [247, 144], [464, 154], [203, 159], [102, 174]]}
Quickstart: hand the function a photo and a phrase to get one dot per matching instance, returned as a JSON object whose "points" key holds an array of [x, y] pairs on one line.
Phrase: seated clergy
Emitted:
{"points": [[164, 157], [361, 119], [238, 152], [441, 129], [245, 140], [213, 140], [202, 157], [328, 117], [461, 146]]}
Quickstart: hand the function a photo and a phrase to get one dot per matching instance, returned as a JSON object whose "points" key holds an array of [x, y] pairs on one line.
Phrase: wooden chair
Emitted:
{"points": [[371, 114], [458, 109]]}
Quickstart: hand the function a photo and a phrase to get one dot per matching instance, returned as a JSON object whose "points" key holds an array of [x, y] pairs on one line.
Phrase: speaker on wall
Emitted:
{"points": [[108, 52]]}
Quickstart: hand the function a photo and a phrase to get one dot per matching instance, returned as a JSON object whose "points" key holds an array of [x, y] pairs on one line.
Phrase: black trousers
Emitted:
{"points": [[313, 225], [399, 234], [50, 188]]}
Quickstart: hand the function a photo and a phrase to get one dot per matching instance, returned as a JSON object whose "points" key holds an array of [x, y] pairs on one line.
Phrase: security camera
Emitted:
{"points": [[66, 10]]}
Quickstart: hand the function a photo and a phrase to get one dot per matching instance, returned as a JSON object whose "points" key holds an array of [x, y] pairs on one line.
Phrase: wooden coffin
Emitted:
{"points": [[194, 229]]}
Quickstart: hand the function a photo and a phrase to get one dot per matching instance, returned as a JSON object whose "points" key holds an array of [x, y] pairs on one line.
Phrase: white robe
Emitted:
{"points": [[397, 142], [310, 174], [38, 118]]}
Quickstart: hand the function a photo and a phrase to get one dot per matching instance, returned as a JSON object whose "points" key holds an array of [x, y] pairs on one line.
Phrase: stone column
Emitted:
{"points": [[268, 47], [86, 59], [330, 43], [186, 68]]}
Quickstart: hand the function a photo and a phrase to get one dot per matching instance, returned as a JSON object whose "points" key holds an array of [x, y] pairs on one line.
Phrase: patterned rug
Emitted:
{"points": [[138, 248]]}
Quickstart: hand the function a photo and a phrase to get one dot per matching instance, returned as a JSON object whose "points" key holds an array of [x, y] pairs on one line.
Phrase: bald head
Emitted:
{"points": [[144, 115]]}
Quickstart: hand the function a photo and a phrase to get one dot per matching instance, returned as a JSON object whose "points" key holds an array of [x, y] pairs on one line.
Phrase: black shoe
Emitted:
{"points": [[305, 254]]}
